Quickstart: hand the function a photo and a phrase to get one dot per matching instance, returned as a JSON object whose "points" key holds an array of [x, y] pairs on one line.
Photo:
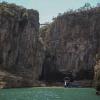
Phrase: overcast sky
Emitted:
{"points": [[50, 8]]}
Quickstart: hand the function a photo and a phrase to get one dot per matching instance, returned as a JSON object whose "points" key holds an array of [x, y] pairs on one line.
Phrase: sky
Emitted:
{"points": [[50, 8]]}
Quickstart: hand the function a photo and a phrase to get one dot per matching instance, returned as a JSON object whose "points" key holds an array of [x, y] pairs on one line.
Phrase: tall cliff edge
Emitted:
{"points": [[73, 38], [20, 50]]}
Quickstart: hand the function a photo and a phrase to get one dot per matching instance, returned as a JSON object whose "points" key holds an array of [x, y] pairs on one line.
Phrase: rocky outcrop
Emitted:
{"points": [[97, 72], [74, 39], [20, 50], [97, 75]]}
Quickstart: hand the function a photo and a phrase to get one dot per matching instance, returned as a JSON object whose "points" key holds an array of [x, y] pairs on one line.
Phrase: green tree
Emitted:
{"points": [[85, 7]]}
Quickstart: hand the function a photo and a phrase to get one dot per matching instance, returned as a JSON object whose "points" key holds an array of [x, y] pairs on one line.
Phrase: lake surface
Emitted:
{"points": [[49, 94]]}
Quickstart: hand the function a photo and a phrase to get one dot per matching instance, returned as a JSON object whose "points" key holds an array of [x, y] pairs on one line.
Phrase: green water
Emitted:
{"points": [[49, 94]]}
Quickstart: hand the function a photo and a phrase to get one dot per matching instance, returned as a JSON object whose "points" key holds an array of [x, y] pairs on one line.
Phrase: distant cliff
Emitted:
{"points": [[20, 49], [73, 38]]}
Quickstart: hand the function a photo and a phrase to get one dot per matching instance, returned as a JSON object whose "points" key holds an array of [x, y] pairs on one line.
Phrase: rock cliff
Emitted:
{"points": [[20, 49], [97, 73], [74, 39], [66, 47]]}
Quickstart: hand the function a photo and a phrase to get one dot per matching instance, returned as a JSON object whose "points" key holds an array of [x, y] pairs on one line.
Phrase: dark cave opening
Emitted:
{"points": [[50, 73]]}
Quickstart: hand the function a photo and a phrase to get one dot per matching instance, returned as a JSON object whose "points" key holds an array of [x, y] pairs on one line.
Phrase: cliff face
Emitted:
{"points": [[74, 40], [97, 74], [71, 43], [20, 50]]}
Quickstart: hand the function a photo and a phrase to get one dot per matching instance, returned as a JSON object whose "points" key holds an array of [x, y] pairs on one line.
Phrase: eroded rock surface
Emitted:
{"points": [[20, 49], [74, 39]]}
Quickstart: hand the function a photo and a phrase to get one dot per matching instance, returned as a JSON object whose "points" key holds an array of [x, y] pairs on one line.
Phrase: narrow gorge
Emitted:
{"points": [[66, 47]]}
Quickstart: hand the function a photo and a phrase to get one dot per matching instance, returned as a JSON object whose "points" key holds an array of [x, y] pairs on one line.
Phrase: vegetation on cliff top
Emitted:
{"points": [[87, 8], [12, 9]]}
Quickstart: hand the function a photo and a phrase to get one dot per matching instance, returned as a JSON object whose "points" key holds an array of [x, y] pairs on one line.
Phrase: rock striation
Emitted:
{"points": [[74, 39], [97, 73], [66, 47], [20, 50]]}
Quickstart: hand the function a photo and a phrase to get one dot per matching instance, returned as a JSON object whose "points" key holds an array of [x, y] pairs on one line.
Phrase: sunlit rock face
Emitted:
{"points": [[74, 40], [20, 49], [97, 73]]}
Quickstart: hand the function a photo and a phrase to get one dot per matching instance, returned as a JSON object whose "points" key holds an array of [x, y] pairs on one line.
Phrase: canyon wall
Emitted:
{"points": [[74, 40], [20, 49], [66, 47]]}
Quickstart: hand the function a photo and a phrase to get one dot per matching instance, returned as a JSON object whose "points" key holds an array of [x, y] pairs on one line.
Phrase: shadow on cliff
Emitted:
{"points": [[50, 72]]}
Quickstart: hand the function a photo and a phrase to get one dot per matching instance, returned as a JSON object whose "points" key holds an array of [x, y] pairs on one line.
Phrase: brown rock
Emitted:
{"points": [[74, 39], [20, 49]]}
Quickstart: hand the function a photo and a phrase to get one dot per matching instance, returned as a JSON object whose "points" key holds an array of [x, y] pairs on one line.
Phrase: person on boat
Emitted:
{"points": [[66, 82]]}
